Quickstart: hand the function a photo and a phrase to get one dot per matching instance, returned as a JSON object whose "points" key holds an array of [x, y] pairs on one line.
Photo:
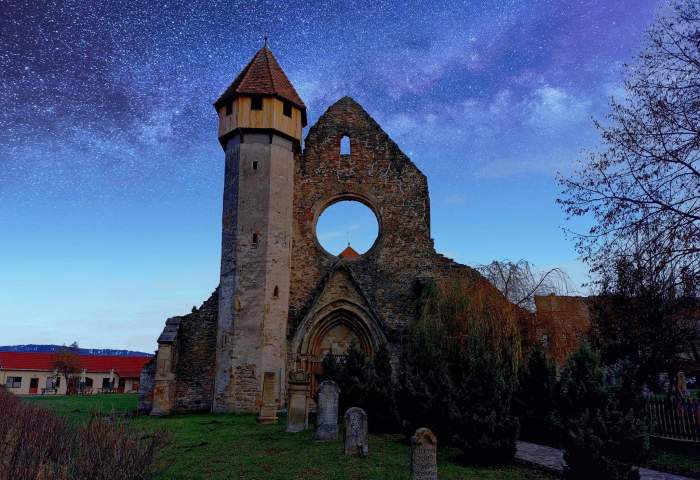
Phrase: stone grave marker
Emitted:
{"points": [[423, 455], [268, 409], [327, 414], [298, 409], [356, 432]]}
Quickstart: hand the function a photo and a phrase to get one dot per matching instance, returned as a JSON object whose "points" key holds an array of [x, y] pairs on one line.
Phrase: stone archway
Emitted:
{"points": [[331, 329]]}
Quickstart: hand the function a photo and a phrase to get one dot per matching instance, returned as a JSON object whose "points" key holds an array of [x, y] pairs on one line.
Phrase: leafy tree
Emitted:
{"points": [[641, 188], [534, 402]]}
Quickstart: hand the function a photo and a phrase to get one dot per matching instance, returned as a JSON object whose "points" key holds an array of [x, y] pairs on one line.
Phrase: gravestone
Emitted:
{"points": [[268, 409], [356, 432], [327, 414], [423, 455], [298, 409]]}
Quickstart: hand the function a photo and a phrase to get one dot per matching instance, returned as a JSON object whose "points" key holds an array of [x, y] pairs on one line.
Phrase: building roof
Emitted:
{"points": [[349, 253], [262, 76], [124, 366]]}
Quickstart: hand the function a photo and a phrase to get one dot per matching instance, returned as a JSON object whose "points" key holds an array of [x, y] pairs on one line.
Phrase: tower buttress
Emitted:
{"points": [[261, 118]]}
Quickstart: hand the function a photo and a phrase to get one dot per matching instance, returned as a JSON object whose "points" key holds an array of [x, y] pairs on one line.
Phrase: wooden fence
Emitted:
{"points": [[678, 419]]}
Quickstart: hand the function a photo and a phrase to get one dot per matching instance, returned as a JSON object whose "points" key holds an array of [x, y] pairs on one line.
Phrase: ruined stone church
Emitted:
{"points": [[284, 302]]}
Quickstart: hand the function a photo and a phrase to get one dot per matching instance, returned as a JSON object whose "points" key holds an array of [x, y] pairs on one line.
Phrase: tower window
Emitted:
{"points": [[255, 240], [287, 109], [255, 165], [345, 145], [276, 293], [229, 108], [256, 102]]}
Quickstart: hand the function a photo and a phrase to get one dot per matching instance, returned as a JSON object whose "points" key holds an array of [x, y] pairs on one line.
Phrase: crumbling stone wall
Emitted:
{"points": [[379, 175], [196, 355], [146, 383]]}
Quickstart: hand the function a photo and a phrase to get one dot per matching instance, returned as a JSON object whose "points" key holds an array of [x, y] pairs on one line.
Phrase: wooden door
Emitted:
{"points": [[33, 385]]}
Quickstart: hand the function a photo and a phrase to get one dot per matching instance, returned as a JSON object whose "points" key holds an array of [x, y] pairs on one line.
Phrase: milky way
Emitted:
{"points": [[111, 173]]}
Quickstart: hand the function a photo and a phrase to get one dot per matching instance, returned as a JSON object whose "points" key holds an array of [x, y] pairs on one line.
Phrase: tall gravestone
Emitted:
{"points": [[268, 409], [327, 412], [298, 408], [356, 432], [423, 455]]}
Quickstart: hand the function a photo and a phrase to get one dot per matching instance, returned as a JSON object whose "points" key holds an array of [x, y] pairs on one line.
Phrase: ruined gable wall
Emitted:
{"points": [[195, 358], [378, 174]]}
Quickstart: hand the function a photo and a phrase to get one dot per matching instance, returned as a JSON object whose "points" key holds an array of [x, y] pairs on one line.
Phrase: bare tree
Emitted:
{"points": [[520, 281], [66, 361], [642, 188]]}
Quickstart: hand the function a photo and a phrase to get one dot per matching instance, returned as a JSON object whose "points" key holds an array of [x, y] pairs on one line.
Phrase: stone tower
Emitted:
{"points": [[261, 117]]}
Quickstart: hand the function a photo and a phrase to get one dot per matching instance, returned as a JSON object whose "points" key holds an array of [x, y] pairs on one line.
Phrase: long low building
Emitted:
{"points": [[31, 373]]}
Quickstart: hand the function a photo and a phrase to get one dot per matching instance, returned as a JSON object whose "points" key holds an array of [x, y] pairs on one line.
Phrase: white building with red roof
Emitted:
{"points": [[33, 373]]}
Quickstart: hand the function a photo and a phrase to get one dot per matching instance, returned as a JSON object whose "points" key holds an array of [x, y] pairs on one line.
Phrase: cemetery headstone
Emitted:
{"points": [[268, 409], [298, 409], [327, 412], [356, 432], [423, 455]]}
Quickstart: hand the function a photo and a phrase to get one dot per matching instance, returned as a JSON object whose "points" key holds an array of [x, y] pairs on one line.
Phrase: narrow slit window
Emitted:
{"points": [[276, 293], [345, 145], [256, 103], [229, 108], [287, 109], [255, 165], [255, 240]]}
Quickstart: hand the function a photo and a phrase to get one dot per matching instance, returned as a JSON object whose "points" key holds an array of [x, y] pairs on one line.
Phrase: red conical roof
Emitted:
{"points": [[349, 253], [262, 76]]}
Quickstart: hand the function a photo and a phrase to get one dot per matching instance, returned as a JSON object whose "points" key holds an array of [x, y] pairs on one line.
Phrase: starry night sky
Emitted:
{"points": [[111, 174]]}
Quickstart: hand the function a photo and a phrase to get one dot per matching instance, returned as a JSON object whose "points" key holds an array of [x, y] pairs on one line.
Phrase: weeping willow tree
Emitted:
{"points": [[458, 369]]}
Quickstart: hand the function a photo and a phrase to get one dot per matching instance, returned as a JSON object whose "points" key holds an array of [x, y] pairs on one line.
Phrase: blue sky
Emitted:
{"points": [[111, 174]]}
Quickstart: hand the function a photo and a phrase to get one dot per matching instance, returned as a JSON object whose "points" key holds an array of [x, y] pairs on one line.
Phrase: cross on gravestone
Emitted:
{"points": [[298, 410], [327, 412], [356, 432], [423, 455]]}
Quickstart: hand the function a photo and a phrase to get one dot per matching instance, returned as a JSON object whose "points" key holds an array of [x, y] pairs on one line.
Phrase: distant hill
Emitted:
{"points": [[83, 351]]}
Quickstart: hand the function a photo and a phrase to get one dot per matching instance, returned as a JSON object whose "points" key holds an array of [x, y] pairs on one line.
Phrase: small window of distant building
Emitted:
{"points": [[229, 108], [276, 293], [345, 145], [287, 109], [255, 165], [255, 240], [13, 382], [256, 102]]}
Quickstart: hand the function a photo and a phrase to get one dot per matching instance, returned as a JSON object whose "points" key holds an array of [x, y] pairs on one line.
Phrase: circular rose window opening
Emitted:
{"points": [[347, 227]]}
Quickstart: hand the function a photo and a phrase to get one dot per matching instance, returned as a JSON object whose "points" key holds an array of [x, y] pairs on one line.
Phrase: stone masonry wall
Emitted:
{"points": [[195, 358], [379, 175]]}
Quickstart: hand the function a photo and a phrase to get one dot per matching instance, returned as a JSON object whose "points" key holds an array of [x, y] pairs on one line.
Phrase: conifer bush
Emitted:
{"points": [[458, 371], [534, 402], [600, 439]]}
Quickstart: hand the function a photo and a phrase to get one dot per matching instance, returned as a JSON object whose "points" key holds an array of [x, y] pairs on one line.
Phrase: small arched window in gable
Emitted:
{"points": [[345, 145]]}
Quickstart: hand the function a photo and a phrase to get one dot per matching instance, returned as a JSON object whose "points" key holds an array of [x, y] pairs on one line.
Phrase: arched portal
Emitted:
{"points": [[334, 334], [332, 328]]}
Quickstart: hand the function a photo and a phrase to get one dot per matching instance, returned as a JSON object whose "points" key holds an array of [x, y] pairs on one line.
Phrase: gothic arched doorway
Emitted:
{"points": [[332, 330]]}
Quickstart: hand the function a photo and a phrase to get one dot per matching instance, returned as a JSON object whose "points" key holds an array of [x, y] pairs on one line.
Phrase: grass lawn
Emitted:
{"points": [[209, 446]]}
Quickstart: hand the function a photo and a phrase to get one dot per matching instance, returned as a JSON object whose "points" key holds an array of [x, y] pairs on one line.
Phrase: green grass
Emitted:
{"points": [[77, 408], [206, 446], [676, 456]]}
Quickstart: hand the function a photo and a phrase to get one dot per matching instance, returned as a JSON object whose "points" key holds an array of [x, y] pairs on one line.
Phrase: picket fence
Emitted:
{"points": [[677, 419]]}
